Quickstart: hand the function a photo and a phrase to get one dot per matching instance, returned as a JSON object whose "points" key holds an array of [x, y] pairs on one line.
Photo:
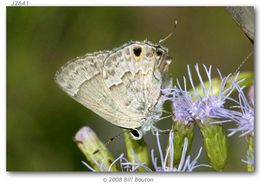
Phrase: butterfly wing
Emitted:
{"points": [[118, 85]]}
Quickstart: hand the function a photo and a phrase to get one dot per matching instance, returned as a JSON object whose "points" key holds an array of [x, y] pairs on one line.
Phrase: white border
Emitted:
{"points": [[89, 179]]}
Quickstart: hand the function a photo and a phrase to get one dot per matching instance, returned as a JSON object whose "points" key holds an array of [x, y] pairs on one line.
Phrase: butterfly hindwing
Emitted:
{"points": [[122, 85]]}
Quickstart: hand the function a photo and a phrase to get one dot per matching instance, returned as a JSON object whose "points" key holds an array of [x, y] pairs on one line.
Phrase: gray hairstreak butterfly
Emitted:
{"points": [[122, 86]]}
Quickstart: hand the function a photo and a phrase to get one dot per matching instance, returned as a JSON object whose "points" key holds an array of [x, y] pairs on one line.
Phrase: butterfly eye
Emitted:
{"points": [[137, 51]]}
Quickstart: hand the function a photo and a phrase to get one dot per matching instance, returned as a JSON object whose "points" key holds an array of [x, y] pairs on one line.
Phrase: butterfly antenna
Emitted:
{"points": [[165, 117], [167, 112], [115, 137], [170, 34], [242, 63]]}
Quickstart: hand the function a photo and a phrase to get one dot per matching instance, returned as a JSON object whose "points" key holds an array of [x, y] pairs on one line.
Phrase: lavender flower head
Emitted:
{"points": [[185, 165], [210, 104], [196, 105], [181, 103], [245, 119]]}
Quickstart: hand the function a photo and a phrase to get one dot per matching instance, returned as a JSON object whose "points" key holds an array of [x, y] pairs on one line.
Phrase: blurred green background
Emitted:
{"points": [[42, 119]]}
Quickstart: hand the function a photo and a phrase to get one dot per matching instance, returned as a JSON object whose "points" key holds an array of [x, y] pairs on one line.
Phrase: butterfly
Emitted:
{"points": [[122, 86]]}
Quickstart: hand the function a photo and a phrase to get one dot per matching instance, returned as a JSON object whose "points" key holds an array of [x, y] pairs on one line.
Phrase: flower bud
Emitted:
{"points": [[181, 131], [215, 142], [96, 153]]}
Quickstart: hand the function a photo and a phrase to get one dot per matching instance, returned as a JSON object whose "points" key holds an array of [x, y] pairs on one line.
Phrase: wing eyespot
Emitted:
{"points": [[137, 51]]}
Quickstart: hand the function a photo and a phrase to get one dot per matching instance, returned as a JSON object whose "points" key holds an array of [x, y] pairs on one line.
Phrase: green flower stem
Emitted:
{"points": [[215, 142], [139, 148], [250, 151], [94, 150], [181, 131]]}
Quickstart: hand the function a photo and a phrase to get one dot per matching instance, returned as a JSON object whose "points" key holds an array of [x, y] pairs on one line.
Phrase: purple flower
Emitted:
{"points": [[185, 165], [210, 104], [245, 120], [204, 104], [182, 103]]}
